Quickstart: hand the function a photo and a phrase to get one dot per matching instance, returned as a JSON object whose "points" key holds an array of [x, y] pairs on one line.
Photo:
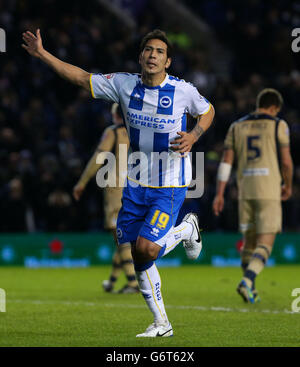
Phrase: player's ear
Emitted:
{"points": [[168, 63], [275, 110]]}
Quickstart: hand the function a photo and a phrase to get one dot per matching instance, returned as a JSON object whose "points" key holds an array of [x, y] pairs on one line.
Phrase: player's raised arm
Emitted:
{"points": [[34, 46]]}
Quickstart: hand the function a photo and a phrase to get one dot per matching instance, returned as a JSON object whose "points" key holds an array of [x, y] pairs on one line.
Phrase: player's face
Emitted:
{"points": [[154, 59]]}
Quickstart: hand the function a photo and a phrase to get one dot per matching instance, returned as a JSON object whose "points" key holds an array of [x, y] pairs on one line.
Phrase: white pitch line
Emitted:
{"points": [[118, 305]]}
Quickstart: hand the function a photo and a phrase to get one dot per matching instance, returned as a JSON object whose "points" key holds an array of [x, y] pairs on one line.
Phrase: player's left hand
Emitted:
{"points": [[183, 143], [78, 191], [33, 43], [218, 205], [286, 192]]}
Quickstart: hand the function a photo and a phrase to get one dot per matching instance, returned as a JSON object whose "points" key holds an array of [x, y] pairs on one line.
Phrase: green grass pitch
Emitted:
{"points": [[67, 307]]}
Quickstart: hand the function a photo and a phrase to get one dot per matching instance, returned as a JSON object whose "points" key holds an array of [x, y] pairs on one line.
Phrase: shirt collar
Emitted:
{"points": [[161, 85]]}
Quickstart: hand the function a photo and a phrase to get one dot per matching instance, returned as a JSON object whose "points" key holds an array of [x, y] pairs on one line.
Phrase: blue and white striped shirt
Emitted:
{"points": [[153, 116]]}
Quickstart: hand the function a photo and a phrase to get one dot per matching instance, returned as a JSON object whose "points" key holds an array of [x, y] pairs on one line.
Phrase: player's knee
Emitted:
{"points": [[143, 254], [151, 252], [144, 250]]}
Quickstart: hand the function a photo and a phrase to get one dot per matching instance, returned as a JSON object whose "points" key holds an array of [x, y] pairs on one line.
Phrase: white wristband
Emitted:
{"points": [[224, 171]]}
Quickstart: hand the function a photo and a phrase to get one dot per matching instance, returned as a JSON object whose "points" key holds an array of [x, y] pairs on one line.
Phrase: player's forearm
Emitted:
{"points": [[67, 71], [287, 173], [224, 171], [221, 185], [89, 171], [203, 123]]}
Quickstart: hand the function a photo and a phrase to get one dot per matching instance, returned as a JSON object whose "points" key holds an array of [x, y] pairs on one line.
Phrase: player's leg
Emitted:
{"points": [[246, 255], [124, 252], [187, 232], [249, 244], [159, 227], [122, 259], [108, 285], [247, 227], [144, 253], [268, 223], [157, 213], [111, 213], [128, 268], [259, 258], [163, 207], [151, 213]]}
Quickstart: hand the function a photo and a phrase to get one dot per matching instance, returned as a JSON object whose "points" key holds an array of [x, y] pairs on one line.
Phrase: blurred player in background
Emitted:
{"points": [[155, 107], [111, 139], [260, 144]]}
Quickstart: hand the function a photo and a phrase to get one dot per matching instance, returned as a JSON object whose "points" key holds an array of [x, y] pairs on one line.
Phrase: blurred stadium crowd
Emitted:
{"points": [[49, 128]]}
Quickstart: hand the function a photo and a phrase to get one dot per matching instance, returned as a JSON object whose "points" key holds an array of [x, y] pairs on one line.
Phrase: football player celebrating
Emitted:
{"points": [[155, 107]]}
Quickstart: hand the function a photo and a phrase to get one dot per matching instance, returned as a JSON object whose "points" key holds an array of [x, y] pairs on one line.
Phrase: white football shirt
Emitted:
{"points": [[153, 116]]}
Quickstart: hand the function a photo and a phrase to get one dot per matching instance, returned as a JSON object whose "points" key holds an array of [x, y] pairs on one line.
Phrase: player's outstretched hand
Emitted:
{"points": [[183, 143], [33, 43], [77, 191], [218, 205], [286, 192]]}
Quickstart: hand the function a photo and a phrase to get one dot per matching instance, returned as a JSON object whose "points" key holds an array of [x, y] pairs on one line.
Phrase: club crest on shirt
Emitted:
{"points": [[165, 101]]}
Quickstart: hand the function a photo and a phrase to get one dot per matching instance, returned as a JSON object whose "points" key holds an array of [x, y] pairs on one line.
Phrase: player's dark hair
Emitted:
{"points": [[269, 97], [157, 34]]}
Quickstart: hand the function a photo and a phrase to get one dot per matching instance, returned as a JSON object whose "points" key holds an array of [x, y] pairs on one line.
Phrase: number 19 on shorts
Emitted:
{"points": [[160, 219]]}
